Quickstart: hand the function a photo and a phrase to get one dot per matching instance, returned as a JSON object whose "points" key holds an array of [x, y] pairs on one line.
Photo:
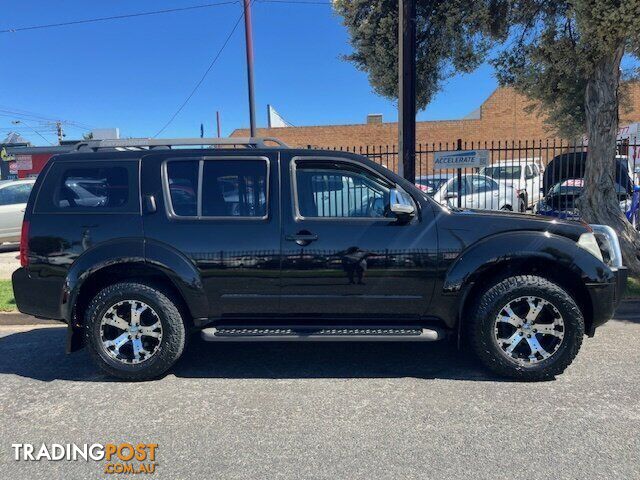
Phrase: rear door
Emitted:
{"points": [[220, 210]]}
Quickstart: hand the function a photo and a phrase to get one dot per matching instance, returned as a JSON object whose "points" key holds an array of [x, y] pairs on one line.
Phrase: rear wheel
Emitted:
{"points": [[134, 331], [526, 327]]}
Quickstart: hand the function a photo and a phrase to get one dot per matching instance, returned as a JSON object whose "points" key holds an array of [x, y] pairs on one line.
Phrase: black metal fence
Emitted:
{"points": [[543, 177]]}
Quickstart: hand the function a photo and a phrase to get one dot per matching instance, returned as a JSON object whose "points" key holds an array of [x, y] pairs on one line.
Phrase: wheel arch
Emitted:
{"points": [[555, 258], [155, 264], [545, 268]]}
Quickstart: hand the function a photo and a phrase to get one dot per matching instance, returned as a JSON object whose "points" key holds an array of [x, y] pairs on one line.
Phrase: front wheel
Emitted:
{"points": [[134, 331], [526, 327]]}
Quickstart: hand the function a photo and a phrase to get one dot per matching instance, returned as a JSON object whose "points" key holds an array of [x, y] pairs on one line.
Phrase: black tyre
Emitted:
{"points": [[525, 327], [134, 331]]}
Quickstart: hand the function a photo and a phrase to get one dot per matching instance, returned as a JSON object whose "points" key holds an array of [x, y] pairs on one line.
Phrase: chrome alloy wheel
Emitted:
{"points": [[529, 330], [130, 331]]}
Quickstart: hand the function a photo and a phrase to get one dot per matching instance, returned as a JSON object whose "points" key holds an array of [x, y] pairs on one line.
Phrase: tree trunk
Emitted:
{"points": [[599, 203]]}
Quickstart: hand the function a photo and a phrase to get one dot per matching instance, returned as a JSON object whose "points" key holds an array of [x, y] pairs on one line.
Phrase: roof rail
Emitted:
{"points": [[164, 143]]}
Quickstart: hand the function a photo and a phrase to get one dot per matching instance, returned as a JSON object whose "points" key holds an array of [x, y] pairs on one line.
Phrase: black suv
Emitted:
{"points": [[135, 244]]}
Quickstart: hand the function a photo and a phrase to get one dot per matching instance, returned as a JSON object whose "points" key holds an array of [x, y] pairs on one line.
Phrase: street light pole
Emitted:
{"points": [[248, 33], [407, 90]]}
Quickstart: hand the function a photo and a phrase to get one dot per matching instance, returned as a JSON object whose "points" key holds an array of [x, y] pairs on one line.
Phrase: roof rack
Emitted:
{"points": [[168, 143]]}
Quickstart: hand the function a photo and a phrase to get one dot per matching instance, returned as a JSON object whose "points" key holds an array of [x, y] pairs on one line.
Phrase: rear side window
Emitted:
{"points": [[183, 187], [235, 188], [92, 187]]}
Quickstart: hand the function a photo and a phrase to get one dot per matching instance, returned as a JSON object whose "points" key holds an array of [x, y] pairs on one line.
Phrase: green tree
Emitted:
{"points": [[564, 55]]}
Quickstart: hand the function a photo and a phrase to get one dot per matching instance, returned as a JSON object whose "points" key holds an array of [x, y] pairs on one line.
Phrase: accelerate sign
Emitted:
{"points": [[461, 159]]}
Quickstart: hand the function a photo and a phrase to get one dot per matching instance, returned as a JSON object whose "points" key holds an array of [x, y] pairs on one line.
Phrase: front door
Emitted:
{"points": [[344, 254]]}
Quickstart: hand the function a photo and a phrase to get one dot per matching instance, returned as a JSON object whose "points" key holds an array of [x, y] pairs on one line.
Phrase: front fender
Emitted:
{"points": [[509, 246]]}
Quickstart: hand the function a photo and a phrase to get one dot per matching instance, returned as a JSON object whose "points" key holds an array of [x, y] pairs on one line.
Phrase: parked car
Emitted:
{"points": [[524, 175], [562, 200], [13, 201], [136, 273], [563, 184], [477, 191]]}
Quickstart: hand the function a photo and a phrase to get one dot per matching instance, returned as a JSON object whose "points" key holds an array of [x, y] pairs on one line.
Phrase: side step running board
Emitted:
{"points": [[332, 334]]}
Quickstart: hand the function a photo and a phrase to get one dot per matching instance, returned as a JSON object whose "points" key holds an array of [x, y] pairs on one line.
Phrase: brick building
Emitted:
{"points": [[502, 116]]}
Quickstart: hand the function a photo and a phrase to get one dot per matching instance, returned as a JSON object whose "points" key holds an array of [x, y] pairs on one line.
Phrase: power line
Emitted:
{"points": [[193, 91], [296, 2], [116, 17], [37, 132]]}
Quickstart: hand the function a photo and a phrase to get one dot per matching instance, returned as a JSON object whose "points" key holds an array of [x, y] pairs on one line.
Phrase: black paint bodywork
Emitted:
{"points": [[231, 271]]}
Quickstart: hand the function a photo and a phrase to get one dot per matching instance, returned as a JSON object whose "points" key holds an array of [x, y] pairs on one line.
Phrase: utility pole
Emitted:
{"points": [[407, 90], [218, 123], [60, 132], [248, 33]]}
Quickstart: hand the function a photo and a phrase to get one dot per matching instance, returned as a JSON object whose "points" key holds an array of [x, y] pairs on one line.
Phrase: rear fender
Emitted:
{"points": [[168, 261]]}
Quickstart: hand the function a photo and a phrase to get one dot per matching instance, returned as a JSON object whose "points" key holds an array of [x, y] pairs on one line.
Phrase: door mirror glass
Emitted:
{"points": [[401, 204]]}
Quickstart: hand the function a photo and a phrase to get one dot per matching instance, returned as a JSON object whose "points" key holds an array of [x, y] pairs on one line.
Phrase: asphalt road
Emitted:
{"points": [[352, 411]]}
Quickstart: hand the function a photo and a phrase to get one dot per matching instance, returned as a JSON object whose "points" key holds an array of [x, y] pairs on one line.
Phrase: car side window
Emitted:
{"points": [[230, 188], [15, 194], [339, 191], [480, 184], [91, 187], [233, 188], [453, 186], [529, 172]]}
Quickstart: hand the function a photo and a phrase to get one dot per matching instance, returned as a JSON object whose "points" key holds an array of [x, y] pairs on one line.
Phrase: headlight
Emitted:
{"points": [[609, 245], [590, 244]]}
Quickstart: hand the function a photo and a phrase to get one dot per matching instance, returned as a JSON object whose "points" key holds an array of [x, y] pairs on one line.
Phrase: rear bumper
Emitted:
{"points": [[605, 298], [37, 297]]}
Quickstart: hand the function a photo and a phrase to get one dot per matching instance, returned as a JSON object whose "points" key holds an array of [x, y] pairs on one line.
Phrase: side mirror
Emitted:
{"points": [[401, 204], [451, 195]]}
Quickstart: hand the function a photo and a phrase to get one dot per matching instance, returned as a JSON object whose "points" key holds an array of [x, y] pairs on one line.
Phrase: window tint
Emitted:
{"points": [[183, 187], [230, 188], [15, 194], [333, 192], [234, 188], [99, 188]]}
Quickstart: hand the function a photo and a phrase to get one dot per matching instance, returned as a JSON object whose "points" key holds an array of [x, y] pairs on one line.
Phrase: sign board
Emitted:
{"points": [[24, 162], [461, 159]]}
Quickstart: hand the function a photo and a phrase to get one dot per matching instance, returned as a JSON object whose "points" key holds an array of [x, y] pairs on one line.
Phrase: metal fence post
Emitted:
{"points": [[459, 173]]}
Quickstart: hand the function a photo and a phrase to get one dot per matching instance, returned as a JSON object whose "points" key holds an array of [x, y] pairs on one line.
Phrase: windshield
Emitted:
{"points": [[430, 185], [508, 172]]}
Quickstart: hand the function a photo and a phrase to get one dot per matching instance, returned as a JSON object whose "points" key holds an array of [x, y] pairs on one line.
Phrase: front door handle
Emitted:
{"points": [[302, 238]]}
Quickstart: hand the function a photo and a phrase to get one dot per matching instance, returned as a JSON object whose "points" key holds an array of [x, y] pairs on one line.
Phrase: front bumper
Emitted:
{"points": [[605, 298]]}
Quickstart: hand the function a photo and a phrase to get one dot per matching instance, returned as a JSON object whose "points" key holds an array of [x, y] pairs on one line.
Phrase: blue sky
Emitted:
{"points": [[134, 73]]}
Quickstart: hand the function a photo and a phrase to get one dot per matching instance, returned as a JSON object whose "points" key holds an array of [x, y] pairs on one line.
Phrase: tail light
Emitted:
{"points": [[24, 244]]}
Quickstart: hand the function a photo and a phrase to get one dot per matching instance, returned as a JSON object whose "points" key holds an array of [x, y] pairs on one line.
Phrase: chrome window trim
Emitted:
{"points": [[199, 217]]}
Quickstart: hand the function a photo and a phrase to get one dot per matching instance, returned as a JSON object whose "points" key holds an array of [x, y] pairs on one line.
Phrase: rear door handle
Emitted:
{"points": [[302, 238]]}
